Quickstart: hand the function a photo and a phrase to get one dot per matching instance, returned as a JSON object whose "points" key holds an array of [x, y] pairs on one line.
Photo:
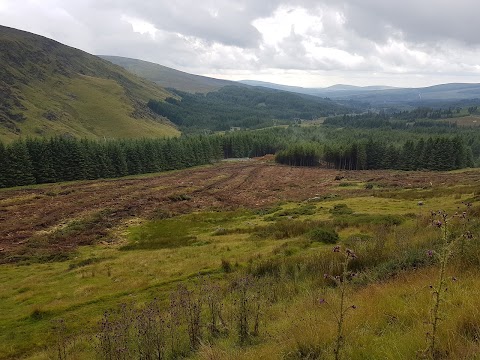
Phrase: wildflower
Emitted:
{"points": [[322, 301], [354, 307], [326, 276], [454, 278], [430, 253], [437, 223], [336, 248]]}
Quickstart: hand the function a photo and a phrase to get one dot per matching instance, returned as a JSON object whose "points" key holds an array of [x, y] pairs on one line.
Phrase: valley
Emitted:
{"points": [[150, 213]]}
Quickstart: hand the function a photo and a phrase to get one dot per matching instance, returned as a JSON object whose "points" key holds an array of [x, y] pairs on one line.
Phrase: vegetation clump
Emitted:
{"points": [[324, 236]]}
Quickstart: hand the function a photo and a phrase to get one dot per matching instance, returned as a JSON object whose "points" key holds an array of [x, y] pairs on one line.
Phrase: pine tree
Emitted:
{"points": [[3, 166], [42, 160], [19, 170], [116, 155]]}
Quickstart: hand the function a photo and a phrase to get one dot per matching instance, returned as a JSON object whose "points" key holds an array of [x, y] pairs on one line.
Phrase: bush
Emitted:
{"points": [[323, 235], [226, 266], [341, 209]]}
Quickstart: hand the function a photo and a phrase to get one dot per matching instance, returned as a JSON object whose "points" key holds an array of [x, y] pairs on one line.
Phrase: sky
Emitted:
{"points": [[308, 43]]}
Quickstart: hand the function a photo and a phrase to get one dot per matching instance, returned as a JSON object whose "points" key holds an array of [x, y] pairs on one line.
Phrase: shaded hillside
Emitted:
{"points": [[167, 77], [245, 107], [51, 89]]}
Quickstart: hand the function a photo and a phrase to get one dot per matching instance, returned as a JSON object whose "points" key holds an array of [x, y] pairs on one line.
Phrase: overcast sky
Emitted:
{"points": [[310, 43]]}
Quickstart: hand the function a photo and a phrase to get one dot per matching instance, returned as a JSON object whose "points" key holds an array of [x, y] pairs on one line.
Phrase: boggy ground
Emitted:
{"points": [[72, 251], [46, 222]]}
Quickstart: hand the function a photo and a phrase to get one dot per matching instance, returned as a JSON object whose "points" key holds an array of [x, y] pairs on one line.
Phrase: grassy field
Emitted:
{"points": [[243, 231]]}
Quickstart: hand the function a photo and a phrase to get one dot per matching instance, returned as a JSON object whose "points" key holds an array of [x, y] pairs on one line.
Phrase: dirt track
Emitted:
{"points": [[29, 216]]}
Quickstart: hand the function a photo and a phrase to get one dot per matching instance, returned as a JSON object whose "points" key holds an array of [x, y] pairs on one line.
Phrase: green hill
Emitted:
{"points": [[51, 89], [167, 77], [244, 107]]}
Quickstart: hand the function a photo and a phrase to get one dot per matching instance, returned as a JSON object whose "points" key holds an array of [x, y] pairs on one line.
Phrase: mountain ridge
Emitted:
{"points": [[385, 95], [53, 89], [168, 77]]}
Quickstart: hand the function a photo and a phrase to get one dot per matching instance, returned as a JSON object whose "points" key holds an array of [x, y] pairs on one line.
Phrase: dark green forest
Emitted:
{"points": [[37, 161], [244, 107], [440, 153]]}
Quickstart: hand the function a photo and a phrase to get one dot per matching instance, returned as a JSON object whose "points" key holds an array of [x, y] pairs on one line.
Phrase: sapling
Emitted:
{"points": [[247, 307], [341, 309], [61, 340], [191, 305], [441, 220]]}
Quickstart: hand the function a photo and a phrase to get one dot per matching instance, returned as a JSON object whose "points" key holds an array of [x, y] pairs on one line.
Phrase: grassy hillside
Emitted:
{"points": [[167, 77], [128, 241], [53, 89]]}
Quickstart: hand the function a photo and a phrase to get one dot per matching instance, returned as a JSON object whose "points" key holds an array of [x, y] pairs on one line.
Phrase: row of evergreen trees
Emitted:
{"points": [[37, 161], [439, 153]]}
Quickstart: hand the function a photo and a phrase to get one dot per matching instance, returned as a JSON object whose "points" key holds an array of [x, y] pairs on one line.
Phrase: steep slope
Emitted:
{"points": [[167, 77], [245, 107], [51, 89]]}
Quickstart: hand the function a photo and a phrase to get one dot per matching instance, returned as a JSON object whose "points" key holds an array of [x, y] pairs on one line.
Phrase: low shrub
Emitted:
{"points": [[341, 209], [324, 236]]}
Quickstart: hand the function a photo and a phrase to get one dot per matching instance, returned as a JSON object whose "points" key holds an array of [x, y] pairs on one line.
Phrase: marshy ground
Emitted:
{"points": [[74, 250]]}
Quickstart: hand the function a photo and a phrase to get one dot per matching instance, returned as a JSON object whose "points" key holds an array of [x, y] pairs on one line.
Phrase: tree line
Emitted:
{"points": [[37, 161], [440, 153]]}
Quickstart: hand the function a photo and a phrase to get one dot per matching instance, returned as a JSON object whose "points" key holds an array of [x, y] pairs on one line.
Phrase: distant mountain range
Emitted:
{"points": [[385, 95], [340, 88]]}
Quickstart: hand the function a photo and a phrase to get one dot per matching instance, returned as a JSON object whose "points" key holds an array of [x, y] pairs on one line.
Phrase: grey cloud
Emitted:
{"points": [[418, 21], [221, 21], [218, 35]]}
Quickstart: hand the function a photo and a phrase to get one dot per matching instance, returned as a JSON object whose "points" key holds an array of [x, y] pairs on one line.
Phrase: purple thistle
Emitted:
{"points": [[350, 254], [322, 301], [336, 248], [430, 253], [437, 223]]}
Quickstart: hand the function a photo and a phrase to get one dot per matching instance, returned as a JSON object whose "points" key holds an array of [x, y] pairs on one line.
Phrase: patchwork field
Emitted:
{"points": [[71, 251]]}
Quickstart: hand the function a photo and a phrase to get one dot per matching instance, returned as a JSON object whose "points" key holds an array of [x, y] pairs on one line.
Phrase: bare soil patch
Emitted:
{"points": [[54, 219]]}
